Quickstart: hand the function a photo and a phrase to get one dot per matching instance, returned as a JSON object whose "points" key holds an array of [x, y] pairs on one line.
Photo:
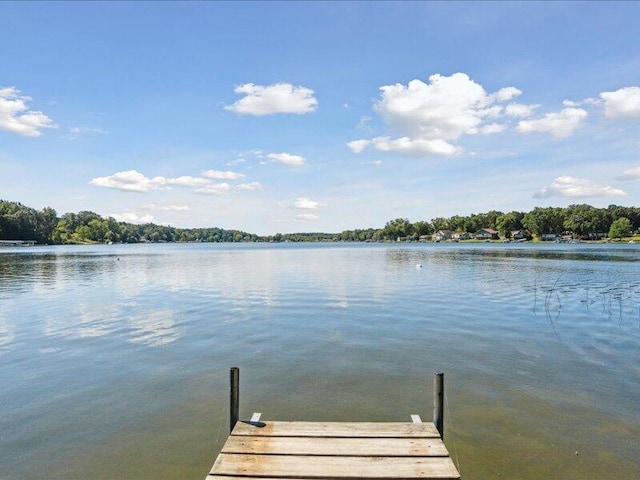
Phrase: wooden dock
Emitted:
{"points": [[332, 450]]}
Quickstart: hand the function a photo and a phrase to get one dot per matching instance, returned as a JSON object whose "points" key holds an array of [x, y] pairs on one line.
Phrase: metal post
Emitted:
{"points": [[438, 402], [234, 405]]}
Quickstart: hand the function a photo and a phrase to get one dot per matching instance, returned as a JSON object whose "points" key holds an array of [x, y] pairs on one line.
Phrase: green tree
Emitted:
{"points": [[422, 228], [439, 223], [584, 219], [398, 228], [508, 222], [620, 228]]}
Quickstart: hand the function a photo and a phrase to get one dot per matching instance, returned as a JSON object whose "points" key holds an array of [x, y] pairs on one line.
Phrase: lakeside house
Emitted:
{"points": [[462, 236], [487, 234], [17, 243], [442, 235], [522, 234], [549, 237]]}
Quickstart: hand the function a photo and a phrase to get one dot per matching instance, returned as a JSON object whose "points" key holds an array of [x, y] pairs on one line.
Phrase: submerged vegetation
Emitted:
{"points": [[19, 222]]}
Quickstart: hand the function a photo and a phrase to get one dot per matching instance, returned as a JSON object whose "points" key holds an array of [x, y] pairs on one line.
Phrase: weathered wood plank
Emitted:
{"points": [[304, 466], [339, 429], [372, 447]]}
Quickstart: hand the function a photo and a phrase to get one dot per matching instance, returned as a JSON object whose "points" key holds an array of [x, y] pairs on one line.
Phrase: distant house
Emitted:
{"points": [[487, 234], [17, 243], [549, 237], [520, 235], [461, 236], [441, 235]]}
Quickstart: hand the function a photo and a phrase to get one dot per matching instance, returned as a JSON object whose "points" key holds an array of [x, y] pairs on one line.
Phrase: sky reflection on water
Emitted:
{"points": [[99, 343]]}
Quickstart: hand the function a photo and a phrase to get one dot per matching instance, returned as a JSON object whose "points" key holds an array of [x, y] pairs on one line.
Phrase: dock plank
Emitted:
{"points": [[304, 466], [392, 447], [333, 450], [338, 429]]}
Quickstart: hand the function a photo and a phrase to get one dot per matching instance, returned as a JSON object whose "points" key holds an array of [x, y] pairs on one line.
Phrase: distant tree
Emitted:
{"points": [[439, 223], [584, 219], [620, 228], [543, 220], [422, 228], [507, 222], [398, 228]]}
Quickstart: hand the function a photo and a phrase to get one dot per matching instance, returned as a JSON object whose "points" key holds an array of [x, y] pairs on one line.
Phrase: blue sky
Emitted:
{"points": [[312, 116]]}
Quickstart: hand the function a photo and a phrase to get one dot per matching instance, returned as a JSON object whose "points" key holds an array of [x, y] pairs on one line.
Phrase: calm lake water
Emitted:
{"points": [[114, 359]]}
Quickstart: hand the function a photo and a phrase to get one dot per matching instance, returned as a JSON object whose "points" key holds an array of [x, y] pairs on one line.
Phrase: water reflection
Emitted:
{"points": [[91, 334], [85, 321], [154, 328], [6, 334]]}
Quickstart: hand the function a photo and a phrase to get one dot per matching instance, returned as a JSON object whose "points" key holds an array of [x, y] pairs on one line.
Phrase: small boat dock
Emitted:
{"points": [[333, 450]]}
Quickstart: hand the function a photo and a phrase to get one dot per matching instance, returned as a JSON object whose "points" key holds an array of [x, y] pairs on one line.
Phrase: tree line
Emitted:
{"points": [[19, 222]]}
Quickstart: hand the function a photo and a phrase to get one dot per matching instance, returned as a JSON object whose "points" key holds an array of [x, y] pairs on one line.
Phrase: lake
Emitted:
{"points": [[114, 360]]}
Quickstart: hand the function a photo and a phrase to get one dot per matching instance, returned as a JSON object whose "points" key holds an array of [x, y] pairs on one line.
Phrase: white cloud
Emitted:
{"points": [[519, 110], [307, 204], [429, 116], [249, 187], [170, 208], [571, 187], [364, 123], [505, 94], [187, 181], [134, 181], [214, 189], [624, 102], [571, 103], [76, 132], [559, 124], [357, 146], [493, 128], [16, 117], [286, 158], [130, 216], [220, 175], [237, 161], [271, 99], [417, 147], [631, 174], [130, 180]]}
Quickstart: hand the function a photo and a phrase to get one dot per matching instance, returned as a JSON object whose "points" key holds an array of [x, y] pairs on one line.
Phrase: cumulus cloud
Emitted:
{"points": [[187, 181], [631, 174], [559, 124], [418, 147], [214, 189], [170, 208], [134, 181], [286, 158], [130, 180], [492, 128], [519, 110], [249, 186], [220, 175], [307, 204], [130, 216], [357, 146], [277, 98], [624, 102], [429, 117], [571, 187], [16, 117]]}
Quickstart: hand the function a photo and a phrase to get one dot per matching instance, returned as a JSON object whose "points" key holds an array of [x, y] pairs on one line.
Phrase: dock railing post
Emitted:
{"points": [[438, 402], [234, 404]]}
